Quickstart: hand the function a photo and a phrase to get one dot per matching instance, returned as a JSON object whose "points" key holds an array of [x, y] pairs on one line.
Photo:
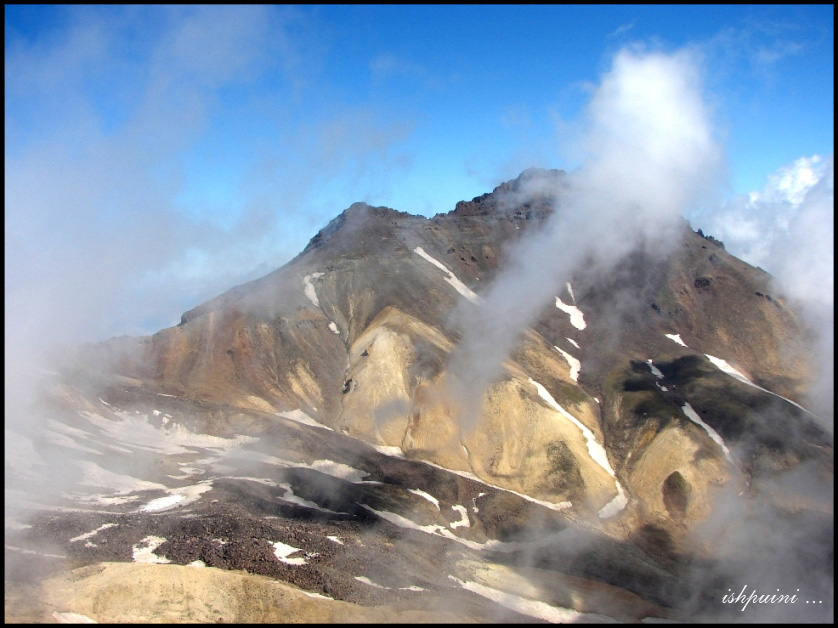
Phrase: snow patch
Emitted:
{"points": [[143, 552], [135, 431], [334, 328], [339, 470], [301, 417], [676, 338], [178, 496], [438, 530], [533, 608], [82, 537], [283, 551], [463, 522], [595, 450], [389, 450], [291, 498], [197, 563], [692, 415], [309, 290], [575, 365], [619, 502], [458, 285], [369, 582], [573, 342], [723, 366], [570, 292], [422, 493], [577, 318], [529, 498], [655, 370], [335, 539]]}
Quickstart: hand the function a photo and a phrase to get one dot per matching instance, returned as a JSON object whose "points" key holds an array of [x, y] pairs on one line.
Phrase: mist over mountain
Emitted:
{"points": [[558, 401], [420, 419]]}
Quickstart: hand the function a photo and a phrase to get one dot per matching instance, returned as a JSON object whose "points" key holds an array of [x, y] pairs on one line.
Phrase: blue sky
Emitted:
{"points": [[156, 156]]}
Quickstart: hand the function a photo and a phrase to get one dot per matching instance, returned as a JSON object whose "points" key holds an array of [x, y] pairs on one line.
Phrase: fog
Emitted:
{"points": [[650, 156]]}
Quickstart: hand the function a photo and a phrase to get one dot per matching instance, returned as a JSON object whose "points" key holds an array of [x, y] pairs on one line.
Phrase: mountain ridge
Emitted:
{"points": [[641, 405]]}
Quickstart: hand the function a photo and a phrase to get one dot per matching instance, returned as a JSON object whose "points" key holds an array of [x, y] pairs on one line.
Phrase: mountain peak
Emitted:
{"points": [[534, 191], [354, 214]]}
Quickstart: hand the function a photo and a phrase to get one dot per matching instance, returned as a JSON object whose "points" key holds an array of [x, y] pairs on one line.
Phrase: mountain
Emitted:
{"points": [[323, 432]]}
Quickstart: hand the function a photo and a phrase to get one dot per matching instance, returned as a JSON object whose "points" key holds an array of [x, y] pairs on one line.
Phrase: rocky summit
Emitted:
{"points": [[319, 445]]}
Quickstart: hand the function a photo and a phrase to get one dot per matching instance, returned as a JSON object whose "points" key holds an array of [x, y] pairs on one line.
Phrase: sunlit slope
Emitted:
{"points": [[597, 409]]}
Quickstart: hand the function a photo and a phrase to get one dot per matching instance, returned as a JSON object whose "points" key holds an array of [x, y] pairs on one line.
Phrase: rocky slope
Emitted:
{"points": [[321, 402]]}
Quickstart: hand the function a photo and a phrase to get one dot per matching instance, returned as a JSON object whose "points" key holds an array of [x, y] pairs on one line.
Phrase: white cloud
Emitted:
{"points": [[766, 226], [788, 229]]}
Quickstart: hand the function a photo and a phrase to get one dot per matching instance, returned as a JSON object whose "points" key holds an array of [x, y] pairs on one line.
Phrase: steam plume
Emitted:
{"points": [[650, 155]]}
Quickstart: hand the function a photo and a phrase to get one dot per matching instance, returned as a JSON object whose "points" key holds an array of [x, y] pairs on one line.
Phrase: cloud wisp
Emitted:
{"points": [[650, 155]]}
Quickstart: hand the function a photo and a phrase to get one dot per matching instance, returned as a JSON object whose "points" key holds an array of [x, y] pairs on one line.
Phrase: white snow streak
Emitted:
{"points": [[311, 293], [595, 450], [334, 327], [676, 338], [570, 291], [369, 582], [655, 370], [533, 608], [573, 342], [575, 365], [389, 450], [291, 498], [438, 530], [692, 415], [82, 537], [458, 285], [422, 493], [727, 368], [529, 498], [301, 417], [178, 496], [577, 319]]}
